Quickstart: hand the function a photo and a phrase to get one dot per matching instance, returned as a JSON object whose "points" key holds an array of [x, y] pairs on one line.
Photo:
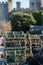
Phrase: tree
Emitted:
{"points": [[38, 17], [21, 21]]}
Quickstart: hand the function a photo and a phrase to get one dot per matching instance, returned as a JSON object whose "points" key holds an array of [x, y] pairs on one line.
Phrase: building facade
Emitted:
{"points": [[5, 8], [3, 11], [36, 4], [18, 5], [10, 8], [42, 4]]}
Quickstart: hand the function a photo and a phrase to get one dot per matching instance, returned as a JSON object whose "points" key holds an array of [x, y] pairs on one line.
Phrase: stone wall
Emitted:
{"points": [[3, 11], [5, 26]]}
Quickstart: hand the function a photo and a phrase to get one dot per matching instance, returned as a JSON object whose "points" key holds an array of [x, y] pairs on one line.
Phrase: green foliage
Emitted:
{"points": [[38, 17], [21, 21]]}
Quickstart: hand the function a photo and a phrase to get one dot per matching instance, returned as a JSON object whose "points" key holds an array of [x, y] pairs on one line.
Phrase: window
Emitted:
{"points": [[32, 3]]}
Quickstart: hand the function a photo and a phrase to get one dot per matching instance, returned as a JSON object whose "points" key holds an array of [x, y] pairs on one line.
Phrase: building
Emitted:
{"points": [[10, 6], [5, 8], [3, 11], [18, 5], [36, 4], [20, 9], [42, 4]]}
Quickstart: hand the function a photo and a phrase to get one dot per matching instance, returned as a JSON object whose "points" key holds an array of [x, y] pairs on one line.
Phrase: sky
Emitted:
{"points": [[24, 3]]}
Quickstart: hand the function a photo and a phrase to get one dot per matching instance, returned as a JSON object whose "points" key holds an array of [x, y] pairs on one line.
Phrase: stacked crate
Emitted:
{"points": [[19, 46], [15, 47]]}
